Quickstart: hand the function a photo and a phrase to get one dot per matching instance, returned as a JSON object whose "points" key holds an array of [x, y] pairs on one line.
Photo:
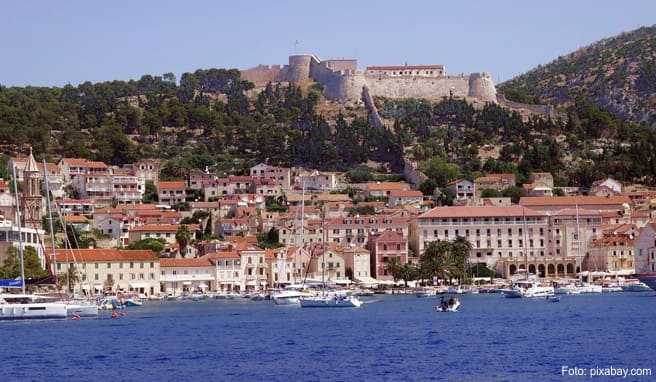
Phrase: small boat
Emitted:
{"points": [[553, 299], [448, 306], [132, 302], [257, 297]]}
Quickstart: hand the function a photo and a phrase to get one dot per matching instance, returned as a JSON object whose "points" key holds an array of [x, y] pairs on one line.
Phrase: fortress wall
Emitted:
{"points": [[263, 74], [418, 87], [339, 65], [344, 86]]}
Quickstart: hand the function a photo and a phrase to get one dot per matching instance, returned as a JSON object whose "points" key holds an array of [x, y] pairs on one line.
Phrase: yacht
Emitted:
{"points": [[289, 295], [528, 289], [589, 288], [566, 289], [22, 306]]}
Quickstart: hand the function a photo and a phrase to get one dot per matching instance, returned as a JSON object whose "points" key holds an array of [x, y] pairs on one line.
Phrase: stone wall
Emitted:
{"points": [[418, 87], [263, 74]]}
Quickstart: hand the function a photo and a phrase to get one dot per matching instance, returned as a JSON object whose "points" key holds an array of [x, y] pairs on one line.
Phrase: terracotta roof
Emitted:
{"points": [[479, 211], [387, 235], [385, 186], [104, 255], [77, 201], [406, 193], [222, 255], [573, 200], [172, 185], [195, 205], [192, 262]]}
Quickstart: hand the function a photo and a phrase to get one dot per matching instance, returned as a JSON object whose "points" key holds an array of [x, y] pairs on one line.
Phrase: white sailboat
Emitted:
{"points": [[25, 306]]}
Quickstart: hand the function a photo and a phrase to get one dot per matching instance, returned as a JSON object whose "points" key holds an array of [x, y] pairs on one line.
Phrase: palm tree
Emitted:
{"points": [[68, 278], [183, 237]]}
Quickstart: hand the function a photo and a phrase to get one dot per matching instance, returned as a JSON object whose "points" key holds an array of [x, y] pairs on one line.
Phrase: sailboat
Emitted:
{"points": [[25, 306], [332, 300], [77, 308]]}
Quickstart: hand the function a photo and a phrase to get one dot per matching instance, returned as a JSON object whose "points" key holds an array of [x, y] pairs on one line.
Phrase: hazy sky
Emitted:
{"points": [[59, 42]]}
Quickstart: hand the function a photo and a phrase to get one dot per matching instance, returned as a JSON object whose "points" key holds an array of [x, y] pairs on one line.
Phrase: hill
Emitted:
{"points": [[617, 74]]}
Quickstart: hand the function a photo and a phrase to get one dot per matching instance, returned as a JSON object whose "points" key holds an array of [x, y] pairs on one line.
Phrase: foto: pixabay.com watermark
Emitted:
{"points": [[610, 371]]}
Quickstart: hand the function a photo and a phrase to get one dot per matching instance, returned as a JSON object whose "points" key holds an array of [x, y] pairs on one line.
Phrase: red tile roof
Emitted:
{"points": [[104, 255], [172, 185], [573, 200], [406, 194], [162, 228], [479, 211]]}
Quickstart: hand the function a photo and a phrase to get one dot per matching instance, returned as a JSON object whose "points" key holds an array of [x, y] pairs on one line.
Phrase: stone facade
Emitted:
{"points": [[343, 82]]}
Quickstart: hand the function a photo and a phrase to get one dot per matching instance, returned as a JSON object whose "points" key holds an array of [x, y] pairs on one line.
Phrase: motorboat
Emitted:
{"points": [[635, 286], [528, 289], [132, 302], [452, 305], [22, 306], [330, 301], [648, 279]]}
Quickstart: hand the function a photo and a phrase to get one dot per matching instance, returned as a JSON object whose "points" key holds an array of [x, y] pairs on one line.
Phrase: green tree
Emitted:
{"points": [[183, 237], [156, 245], [150, 192], [32, 265], [68, 278], [490, 193]]}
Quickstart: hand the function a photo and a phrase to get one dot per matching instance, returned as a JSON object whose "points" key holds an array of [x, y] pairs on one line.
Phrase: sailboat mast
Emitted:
{"points": [[323, 252], [52, 231], [524, 242], [578, 244], [20, 231]]}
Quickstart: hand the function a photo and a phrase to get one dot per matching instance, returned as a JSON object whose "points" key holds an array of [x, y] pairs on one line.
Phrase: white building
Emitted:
{"points": [[180, 276]]}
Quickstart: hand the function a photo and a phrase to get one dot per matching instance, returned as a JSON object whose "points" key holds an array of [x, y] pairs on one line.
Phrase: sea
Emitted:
{"points": [[390, 338]]}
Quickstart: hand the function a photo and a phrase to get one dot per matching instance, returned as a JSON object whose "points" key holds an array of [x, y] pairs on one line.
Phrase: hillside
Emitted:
{"points": [[617, 74]]}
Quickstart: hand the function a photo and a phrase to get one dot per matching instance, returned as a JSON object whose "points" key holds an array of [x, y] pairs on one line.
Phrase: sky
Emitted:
{"points": [[53, 43]]}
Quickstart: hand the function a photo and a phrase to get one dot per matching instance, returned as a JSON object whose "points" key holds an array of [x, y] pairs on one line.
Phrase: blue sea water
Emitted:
{"points": [[391, 338]]}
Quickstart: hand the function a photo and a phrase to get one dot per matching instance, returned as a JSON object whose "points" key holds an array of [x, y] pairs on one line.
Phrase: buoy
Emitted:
{"points": [[76, 317]]}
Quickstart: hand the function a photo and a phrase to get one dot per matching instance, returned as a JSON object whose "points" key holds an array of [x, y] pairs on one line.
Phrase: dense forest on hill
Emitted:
{"points": [[617, 74], [207, 120]]}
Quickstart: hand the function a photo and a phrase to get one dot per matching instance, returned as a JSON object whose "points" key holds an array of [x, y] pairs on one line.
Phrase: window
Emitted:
{"points": [[109, 265]]}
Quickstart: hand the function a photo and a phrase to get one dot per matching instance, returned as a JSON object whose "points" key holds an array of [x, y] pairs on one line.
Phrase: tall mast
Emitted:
{"points": [[524, 241], [323, 252], [20, 231], [578, 244], [52, 231]]}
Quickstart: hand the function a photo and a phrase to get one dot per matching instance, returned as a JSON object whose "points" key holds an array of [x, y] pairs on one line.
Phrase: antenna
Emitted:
{"points": [[296, 44]]}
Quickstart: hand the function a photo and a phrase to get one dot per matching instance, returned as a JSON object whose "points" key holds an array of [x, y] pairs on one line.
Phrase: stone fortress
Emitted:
{"points": [[343, 82]]}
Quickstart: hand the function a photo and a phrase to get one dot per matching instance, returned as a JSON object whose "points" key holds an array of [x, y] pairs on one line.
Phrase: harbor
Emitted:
{"points": [[489, 338]]}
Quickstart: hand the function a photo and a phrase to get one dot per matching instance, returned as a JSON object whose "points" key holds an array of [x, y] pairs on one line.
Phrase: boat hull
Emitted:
{"points": [[330, 302], [32, 311], [82, 310]]}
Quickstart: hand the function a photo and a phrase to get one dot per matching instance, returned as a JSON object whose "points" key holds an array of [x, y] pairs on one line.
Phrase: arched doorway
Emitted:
{"points": [[541, 270], [570, 268], [531, 269], [522, 266], [561, 269], [578, 269], [551, 269], [512, 269]]}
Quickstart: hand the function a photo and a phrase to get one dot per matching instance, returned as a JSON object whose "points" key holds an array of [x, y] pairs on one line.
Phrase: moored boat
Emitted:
{"points": [[648, 279], [330, 301], [17, 307]]}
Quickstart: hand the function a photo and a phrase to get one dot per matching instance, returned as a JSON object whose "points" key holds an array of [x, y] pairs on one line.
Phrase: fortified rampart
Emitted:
{"points": [[343, 82]]}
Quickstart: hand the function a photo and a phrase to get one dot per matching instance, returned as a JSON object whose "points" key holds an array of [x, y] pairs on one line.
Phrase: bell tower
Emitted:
{"points": [[31, 200]]}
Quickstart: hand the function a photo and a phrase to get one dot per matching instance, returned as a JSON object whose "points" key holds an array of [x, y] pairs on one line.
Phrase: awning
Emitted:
{"points": [[98, 287], [138, 285], [86, 287], [342, 282], [186, 283], [202, 286]]}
